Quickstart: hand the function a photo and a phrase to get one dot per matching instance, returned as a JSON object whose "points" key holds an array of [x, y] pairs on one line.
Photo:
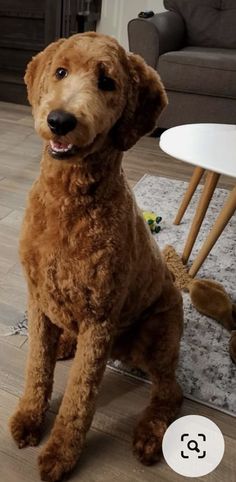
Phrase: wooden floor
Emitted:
{"points": [[108, 455]]}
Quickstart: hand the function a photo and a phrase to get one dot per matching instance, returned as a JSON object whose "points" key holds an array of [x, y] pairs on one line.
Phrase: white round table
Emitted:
{"points": [[210, 147]]}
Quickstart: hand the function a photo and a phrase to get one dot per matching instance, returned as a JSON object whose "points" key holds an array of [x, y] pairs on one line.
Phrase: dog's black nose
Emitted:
{"points": [[61, 122]]}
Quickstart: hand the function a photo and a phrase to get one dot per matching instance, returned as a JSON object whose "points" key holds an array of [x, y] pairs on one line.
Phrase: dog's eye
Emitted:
{"points": [[106, 83], [61, 73]]}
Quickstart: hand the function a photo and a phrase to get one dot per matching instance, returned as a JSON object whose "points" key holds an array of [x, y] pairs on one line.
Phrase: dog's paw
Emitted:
{"points": [[51, 465], [56, 460], [147, 441], [25, 427]]}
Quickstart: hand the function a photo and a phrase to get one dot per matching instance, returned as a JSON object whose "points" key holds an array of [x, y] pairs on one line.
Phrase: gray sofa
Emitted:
{"points": [[193, 47]]}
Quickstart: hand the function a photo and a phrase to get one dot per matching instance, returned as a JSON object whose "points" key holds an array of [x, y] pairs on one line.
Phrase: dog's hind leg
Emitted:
{"points": [[165, 402], [154, 348], [25, 424]]}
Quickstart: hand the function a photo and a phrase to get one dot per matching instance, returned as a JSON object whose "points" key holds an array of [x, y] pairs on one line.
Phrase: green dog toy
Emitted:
{"points": [[153, 221]]}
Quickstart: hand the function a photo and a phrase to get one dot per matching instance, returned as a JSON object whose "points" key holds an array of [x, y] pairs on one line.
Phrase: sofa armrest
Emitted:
{"points": [[153, 37]]}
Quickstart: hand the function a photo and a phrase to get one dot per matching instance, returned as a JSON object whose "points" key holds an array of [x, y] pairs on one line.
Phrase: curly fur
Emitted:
{"points": [[96, 279]]}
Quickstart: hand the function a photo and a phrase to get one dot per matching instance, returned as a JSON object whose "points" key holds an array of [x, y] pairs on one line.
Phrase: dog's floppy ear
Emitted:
{"points": [[146, 99], [37, 70]]}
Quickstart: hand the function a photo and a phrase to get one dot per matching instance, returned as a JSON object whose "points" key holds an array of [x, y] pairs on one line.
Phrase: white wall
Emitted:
{"points": [[155, 5], [117, 13]]}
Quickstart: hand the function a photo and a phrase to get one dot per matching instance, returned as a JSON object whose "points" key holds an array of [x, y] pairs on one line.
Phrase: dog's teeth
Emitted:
{"points": [[58, 147]]}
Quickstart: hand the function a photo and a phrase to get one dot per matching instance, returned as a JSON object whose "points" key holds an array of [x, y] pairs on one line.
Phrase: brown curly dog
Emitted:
{"points": [[96, 278]]}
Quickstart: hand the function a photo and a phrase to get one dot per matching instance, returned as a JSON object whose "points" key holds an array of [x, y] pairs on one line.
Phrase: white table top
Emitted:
{"points": [[211, 146]]}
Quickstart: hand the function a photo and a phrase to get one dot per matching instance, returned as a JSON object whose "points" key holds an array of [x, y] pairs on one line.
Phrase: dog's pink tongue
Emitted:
{"points": [[59, 145]]}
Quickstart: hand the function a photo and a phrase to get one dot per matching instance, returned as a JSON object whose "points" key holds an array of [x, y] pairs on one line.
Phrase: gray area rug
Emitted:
{"points": [[206, 372]]}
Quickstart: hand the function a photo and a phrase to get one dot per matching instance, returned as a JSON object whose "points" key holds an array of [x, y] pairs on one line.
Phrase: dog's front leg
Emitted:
{"points": [[65, 444], [25, 424]]}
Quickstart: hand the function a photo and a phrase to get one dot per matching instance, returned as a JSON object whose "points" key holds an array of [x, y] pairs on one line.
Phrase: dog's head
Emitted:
{"points": [[86, 88]]}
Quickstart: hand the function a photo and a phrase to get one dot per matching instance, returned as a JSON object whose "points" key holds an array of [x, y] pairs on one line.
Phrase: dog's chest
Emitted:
{"points": [[63, 258]]}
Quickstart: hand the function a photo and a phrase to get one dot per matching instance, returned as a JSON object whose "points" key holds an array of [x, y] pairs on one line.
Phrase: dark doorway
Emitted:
{"points": [[27, 26]]}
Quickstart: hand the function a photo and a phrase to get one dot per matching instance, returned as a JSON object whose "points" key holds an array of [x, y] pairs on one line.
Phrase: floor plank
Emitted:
{"points": [[4, 211]]}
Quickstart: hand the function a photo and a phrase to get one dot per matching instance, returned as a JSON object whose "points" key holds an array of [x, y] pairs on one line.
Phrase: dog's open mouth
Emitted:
{"points": [[62, 151]]}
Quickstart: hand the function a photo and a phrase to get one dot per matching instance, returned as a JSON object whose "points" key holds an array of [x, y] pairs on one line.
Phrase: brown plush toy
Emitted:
{"points": [[207, 296], [211, 299]]}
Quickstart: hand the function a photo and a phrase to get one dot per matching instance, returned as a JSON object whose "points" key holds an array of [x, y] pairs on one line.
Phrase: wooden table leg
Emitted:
{"points": [[194, 181], [208, 190], [222, 220]]}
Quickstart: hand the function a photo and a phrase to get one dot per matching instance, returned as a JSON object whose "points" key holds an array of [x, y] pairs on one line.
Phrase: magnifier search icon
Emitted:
{"points": [[192, 445]]}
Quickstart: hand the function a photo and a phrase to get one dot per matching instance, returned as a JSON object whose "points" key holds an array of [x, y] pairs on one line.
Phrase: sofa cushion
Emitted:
{"points": [[200, 70], [209, 23]]}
